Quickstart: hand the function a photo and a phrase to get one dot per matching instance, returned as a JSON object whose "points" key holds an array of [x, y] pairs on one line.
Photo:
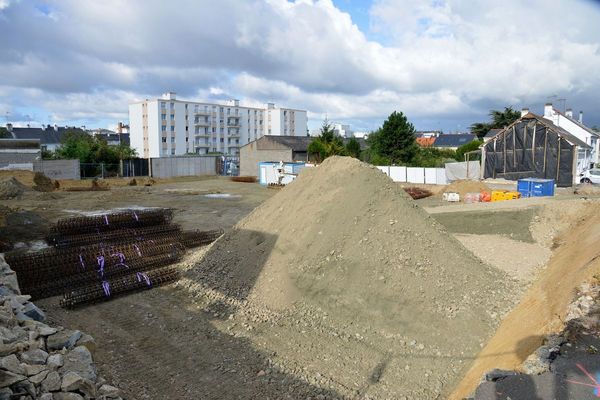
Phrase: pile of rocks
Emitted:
{"points": [[42, 362]]}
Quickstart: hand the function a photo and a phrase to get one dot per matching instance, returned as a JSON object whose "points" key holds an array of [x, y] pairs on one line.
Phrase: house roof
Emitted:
{"points": [[47, 135], [457, 140], [425, 141], [493, 132], [576, 122], [298, 143]]}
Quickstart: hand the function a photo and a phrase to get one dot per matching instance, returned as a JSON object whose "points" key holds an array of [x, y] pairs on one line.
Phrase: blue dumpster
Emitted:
{"points": [[535, 187]]}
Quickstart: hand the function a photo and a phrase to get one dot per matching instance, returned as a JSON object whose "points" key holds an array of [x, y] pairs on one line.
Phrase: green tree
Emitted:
{"points": [[595, 128], [353, 148], [92, 149], [327, 144], [395, 140], [499, 119], [4, 133], [465, 148]]}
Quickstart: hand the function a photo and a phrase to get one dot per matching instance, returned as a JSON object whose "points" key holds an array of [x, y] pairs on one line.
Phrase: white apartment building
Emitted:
{"points": [[168, 127]]}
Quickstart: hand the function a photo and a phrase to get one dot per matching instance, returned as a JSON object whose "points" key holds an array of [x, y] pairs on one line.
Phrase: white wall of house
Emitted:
{"points": [[575, 128]]}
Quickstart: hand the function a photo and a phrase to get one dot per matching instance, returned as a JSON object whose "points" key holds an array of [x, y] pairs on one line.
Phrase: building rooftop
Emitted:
{"points": [[457, 140]]}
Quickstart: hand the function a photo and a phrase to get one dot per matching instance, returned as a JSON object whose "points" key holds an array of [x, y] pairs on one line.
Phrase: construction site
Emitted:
{"points": [[342, 284]]}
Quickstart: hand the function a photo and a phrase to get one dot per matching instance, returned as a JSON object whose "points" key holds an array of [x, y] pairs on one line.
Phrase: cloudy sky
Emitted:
{"points": [[444, 63]]}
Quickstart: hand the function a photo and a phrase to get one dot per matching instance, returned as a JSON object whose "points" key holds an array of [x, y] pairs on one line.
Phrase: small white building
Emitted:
{"points": [[343, 130], [575, 127]]}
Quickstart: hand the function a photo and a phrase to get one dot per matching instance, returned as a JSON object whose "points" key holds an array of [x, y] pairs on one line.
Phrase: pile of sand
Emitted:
{"points": [[11, 188], [42, 183], [374, 296], [463, 187]]}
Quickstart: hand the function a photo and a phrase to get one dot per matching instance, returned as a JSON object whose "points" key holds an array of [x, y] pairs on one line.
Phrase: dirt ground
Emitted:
{"points": [[177, 343]]}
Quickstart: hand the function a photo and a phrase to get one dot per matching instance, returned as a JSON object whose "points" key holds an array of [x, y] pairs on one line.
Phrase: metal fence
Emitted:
{"points": [[99, 170]]}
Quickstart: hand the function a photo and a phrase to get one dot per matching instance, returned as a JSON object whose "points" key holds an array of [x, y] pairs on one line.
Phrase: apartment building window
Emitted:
{"points": [[164, 140], [172, 139], [163, 104], [197, 130], [172, 152], [163, 116], [187, 139], [221, 140], [164, 128], [187, 128], [172, 128], [172, 105], [196, 108], [220, 109], [269, 131], [221, 130], [172, 116], [205, 108], [221, 121], [197, 119], [186, 106], [213, 129], [260, 122], [228, 111], [237, 141]]}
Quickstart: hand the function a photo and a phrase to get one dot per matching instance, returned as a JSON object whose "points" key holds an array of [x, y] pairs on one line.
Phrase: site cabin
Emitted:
{"points": [[533, 147]]}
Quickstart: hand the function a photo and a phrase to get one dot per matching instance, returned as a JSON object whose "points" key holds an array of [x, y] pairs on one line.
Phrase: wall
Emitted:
{"points": [[167, 167], [250, 157], [58, 169], [18, 157], [432, 176], [136, 137]]}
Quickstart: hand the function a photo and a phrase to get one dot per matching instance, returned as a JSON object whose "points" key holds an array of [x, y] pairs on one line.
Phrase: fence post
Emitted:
{"points": [[102, 169]]}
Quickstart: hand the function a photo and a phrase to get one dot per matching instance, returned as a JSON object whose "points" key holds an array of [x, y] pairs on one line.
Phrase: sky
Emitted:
{"points": [[444, 63]]}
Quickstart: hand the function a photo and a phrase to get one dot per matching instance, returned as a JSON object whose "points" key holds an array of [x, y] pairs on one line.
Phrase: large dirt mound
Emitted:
{"points": [[10, 188], [371, 292], [42, 183]]}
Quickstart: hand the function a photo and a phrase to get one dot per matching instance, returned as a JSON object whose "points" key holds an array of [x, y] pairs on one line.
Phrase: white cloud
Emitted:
{"points": [[439, 58]]}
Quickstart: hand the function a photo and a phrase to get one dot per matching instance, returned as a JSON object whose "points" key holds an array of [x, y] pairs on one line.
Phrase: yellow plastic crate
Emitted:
{"points": [[502, 195], [498, 195]]}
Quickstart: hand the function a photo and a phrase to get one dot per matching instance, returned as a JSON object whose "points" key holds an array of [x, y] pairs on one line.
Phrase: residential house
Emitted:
{"points": [[453, 141]]}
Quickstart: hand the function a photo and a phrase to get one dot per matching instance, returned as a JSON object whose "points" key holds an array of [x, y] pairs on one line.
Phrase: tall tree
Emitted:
{"points": [[499, 119], [353, 148], [327, 144], [395, 140], [4, 133]]}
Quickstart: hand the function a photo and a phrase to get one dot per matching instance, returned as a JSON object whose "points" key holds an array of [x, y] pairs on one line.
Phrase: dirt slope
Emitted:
{"points": [[362, 287], [543, 307]]}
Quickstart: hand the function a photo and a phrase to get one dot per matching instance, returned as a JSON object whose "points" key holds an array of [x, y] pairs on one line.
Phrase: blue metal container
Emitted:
{"points": [[535, 187]]}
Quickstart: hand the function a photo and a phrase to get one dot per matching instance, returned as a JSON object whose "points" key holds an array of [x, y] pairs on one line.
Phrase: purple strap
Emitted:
{"points": [[137, 249], [106, 287], [81, 261], [100, 265], [135, 216], [120, 255], [105, 219], [142, 275]]}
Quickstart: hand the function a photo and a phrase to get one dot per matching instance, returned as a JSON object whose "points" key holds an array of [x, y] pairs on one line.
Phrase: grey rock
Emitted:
{"points": [[5, 291], [34, 356], [21, 317], [66, 396], [8, 335], [37, 379], [5, 393], [33, 312], [65, 338], [72, 382], [24, 387], [47, 331], [55, 361], [8, 378], [11, 348], [46, 396], [12, 364], [79, 360], [11, 282], [22, 299], [109, 391], [87, 341], [31, 370], [52, 382], [496, 374]]}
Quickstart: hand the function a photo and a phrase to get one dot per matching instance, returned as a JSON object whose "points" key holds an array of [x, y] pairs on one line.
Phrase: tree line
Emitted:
{"points": [[394, 143]]}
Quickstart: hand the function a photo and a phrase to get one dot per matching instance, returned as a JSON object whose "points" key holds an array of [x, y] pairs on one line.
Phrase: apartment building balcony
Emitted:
{"points": [[202, 123], [202, 134], [202, 112], [201, 145]]}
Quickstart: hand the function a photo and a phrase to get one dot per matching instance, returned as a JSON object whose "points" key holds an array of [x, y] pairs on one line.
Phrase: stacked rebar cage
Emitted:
{"points": [[97, 257]]}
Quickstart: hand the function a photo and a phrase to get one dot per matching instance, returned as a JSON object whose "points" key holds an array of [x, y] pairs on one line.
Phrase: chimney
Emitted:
{"points": [[569, 113], [56, 127], [548, 110], [9, 127], [169, 96], [581, 117], [524, 111], [270, 106]]}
